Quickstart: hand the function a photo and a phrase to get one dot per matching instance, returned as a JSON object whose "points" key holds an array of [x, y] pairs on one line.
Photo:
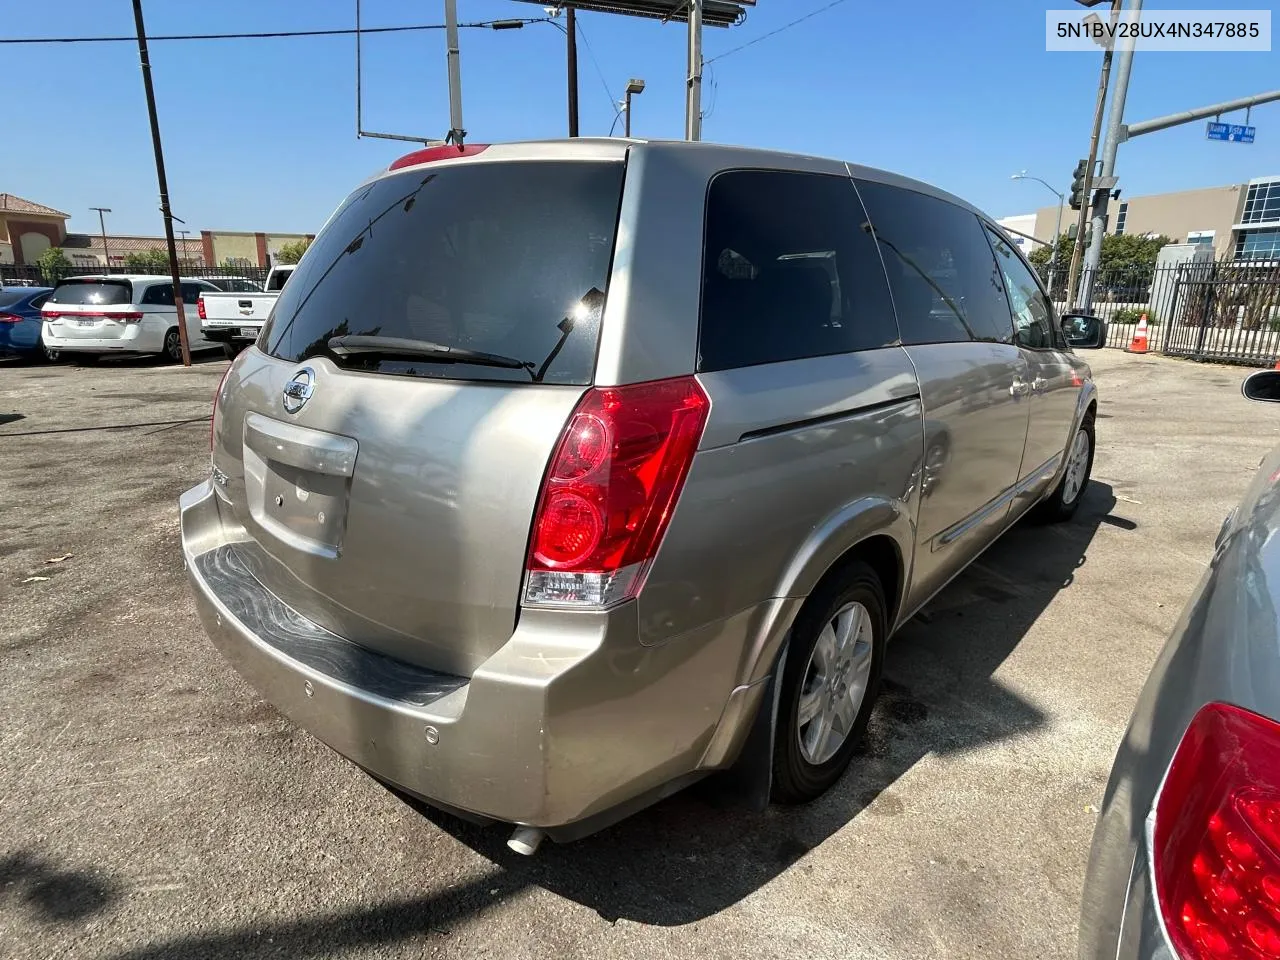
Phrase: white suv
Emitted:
{"points": [[93, 315]]}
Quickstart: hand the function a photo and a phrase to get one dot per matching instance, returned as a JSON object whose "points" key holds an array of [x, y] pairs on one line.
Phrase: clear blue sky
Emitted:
{"points": [[259, 134]]}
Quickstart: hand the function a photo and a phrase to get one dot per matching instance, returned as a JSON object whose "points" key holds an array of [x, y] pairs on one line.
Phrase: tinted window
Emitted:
{"points": [[1032, 316], [788, 272], [158, 295], [489, 257], [96, 292], [276, 281], [191, 291], [38, 302], [946, 286]]}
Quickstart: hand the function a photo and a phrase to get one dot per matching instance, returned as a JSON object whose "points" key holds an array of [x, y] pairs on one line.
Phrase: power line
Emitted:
{"points": [[613, 102], [773, 33], [483, 24]]}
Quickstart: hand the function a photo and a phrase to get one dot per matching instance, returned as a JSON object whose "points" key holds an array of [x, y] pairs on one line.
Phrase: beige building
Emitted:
{"points": [[28, 229], [248, 249], [1239, 221]]}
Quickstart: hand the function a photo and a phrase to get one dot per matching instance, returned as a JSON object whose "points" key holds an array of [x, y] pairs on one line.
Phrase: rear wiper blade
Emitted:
{"points": [[405, 348]]}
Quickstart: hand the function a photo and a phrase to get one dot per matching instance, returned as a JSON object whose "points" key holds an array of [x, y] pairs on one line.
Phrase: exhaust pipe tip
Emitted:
{"points": [[525, 840]]}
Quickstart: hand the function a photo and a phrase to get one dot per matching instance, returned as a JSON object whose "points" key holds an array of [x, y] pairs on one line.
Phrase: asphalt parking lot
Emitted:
{"points": [[151, 806]]}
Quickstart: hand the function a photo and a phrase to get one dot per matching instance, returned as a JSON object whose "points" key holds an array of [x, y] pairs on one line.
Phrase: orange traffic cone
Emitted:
{"points": [[1139, 343]]}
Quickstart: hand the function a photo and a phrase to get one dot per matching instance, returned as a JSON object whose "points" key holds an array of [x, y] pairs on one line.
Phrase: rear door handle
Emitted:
{"points": [[1018, 389], [1038, 385]]}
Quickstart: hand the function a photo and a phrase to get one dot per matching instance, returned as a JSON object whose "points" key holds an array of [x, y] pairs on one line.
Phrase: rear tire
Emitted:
{"points": [[172, 350], [830, 683], [1065, 500], [232, 350], [48, 354]]}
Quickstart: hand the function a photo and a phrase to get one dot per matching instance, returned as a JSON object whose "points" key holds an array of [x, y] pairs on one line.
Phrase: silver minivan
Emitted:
{"points": [[566, 473]]}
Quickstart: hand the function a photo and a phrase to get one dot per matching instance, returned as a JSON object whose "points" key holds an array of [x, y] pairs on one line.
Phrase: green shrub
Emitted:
{"points": [[1130, 315]]}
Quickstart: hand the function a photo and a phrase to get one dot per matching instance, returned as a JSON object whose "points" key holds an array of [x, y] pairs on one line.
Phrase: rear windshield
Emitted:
{"points": [[506, 259], [276, 280], [95, 292], [9, 297]]}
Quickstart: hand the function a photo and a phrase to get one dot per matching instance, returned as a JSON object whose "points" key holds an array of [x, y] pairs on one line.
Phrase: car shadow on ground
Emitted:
{"points": [[690, 856]]}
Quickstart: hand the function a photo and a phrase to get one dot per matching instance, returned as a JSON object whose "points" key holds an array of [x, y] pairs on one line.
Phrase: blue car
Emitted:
{"points": [[20, 322]]}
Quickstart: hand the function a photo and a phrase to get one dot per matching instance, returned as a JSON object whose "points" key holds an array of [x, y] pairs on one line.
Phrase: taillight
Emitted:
{"points": [[50, 315], [217, 395], [1216, 837], [200, 307], [10, 318], [610, 490], [126, 317]]}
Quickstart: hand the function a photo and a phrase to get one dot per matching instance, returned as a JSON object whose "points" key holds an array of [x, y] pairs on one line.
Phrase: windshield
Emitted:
{"points": [[92, 292], [485, 257]]}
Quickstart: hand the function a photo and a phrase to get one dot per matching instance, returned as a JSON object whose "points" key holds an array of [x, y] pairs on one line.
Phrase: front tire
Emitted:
{"points": [[830, 683], [1065, 500]]}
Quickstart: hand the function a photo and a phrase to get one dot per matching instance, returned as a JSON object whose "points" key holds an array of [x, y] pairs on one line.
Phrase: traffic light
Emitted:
{"points": [[1077, 184]]}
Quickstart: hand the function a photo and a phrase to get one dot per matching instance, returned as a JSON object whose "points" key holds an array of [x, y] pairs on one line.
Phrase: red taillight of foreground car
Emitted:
{"points": [[1216, 838], [610, 490], [200, 307], [10, 318]]}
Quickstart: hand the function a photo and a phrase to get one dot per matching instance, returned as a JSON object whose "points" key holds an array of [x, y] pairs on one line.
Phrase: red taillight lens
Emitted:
{"points": [[200, 307], [10, 318], [610, 490], [126, 317], [432, 154], [50, 315], [1216, 837]]}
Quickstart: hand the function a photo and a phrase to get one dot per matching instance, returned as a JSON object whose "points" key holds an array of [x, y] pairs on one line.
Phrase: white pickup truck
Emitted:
{"points": [[234, 319]]}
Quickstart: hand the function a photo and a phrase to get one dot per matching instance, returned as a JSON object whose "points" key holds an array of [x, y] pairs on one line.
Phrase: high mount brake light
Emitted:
{"points": [[431, 154]]}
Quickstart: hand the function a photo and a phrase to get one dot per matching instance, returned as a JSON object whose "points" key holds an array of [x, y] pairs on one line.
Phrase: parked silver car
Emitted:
{"points": [[566, 473], [1186, 854]]}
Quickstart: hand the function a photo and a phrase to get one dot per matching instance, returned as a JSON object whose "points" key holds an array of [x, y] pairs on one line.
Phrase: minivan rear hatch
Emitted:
{"points": [[384, 447]]}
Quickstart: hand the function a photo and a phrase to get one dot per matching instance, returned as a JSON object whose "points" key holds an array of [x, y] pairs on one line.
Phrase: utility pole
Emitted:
{"points": [[693, 100], [571, 67], [163, 182], [1077, 250], [102, 225], [456, 134], [1115, 123]]}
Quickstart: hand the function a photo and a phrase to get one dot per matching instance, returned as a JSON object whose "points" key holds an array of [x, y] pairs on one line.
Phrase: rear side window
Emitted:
{"points": [[946, 286], [159, 295], [506, 259], [191, 292], [92, 292], [276, 281], [788, 271]]}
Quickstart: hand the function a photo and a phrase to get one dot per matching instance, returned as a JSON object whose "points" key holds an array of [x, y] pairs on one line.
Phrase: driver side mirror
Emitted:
{"points": [[1084, 331], [1263, 386]]}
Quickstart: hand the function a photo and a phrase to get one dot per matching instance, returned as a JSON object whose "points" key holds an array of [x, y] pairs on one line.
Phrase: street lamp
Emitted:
{"points": [[102, 225], [1057, 227], [633, 86]]}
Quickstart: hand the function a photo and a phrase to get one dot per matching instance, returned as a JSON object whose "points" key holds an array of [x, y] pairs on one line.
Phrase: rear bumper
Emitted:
{"points": [[141, 337], [20, 337], [573, 720], [228, 334]]}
